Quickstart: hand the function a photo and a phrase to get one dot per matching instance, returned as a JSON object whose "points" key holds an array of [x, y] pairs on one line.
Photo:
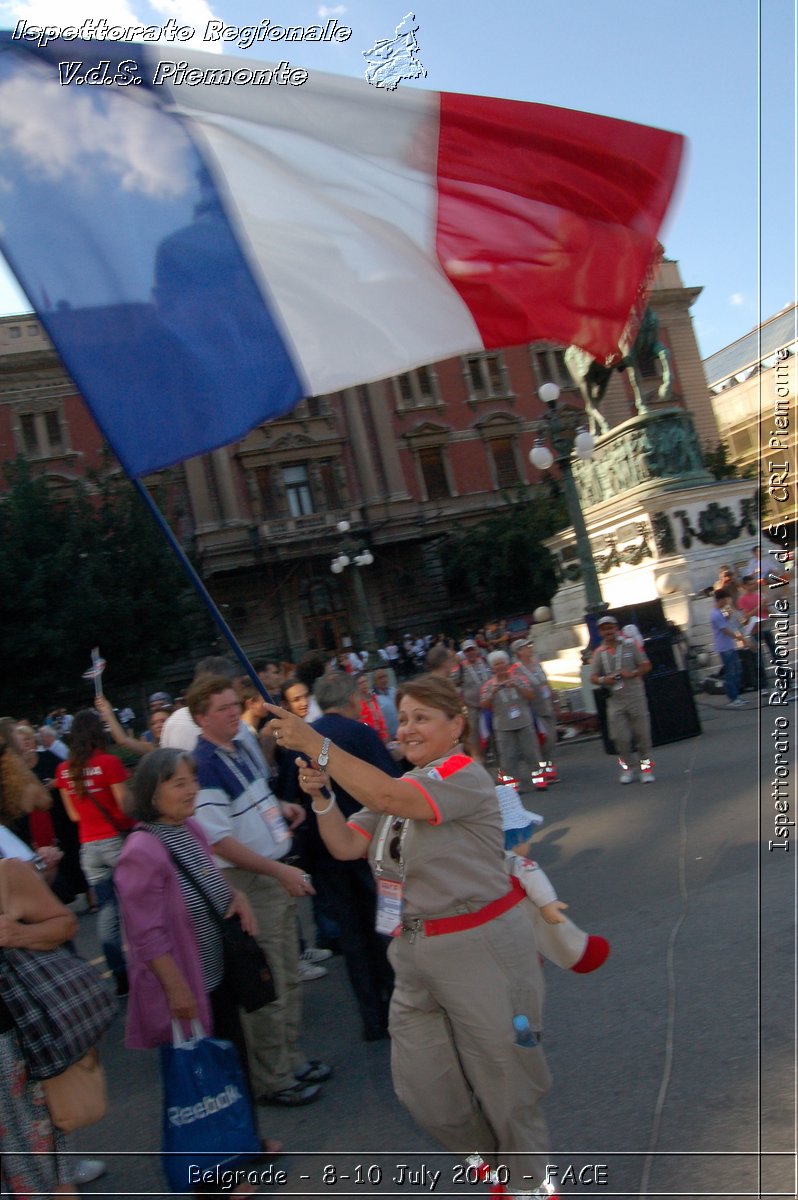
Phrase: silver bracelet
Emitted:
{"points": [[320, 812]]}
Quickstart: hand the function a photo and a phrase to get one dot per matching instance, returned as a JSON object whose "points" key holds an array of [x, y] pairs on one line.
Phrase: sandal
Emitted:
{"points": [[313, 1072]]}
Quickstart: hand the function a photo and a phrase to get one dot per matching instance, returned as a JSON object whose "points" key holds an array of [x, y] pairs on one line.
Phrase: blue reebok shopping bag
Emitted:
{"points": [[207, 1120]]}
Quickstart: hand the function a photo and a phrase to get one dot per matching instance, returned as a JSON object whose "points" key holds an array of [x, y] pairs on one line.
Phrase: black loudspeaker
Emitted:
{"points": [[671, 707], [659, 648]]}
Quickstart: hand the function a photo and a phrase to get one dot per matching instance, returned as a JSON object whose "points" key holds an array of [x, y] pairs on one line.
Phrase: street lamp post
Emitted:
{"points": [[351, 556], [566, 441]]}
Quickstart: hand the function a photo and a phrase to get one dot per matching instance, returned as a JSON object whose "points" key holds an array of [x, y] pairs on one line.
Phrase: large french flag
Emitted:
{"points": [[204, 254]]}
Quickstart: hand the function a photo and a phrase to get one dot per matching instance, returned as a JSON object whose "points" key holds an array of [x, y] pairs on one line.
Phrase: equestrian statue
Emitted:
{"points": [[592, 377]]}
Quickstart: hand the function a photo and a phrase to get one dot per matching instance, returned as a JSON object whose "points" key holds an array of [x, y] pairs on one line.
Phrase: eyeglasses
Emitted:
{"points": [[395, 844]]}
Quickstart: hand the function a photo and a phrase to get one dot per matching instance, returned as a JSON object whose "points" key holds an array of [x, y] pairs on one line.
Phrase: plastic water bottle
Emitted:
{"points": [[523, 1032]]}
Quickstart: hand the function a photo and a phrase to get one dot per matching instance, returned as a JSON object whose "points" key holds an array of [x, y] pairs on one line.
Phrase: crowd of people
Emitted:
{"points": [[365, 792], [391, 791], [741, 629]]}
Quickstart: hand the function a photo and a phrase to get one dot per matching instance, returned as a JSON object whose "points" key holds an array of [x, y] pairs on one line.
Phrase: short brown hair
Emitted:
{"points": [[247, 691], [153, 770], [199, 695], [438, 656], [437, 693]]}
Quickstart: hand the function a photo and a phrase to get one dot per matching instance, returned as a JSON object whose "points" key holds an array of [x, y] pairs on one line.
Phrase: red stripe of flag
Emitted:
{"points": [[559, 241]]}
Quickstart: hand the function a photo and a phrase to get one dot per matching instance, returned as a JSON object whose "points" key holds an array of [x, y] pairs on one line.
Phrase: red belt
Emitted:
{"points": [[469, 920]]}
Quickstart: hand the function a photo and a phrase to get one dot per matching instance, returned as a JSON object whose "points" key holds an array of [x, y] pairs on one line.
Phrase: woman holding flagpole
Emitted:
{"points": [[466, 1011]]}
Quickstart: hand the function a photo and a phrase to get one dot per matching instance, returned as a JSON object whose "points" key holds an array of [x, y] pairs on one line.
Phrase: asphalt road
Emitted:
{"points": [[674, 1065]]}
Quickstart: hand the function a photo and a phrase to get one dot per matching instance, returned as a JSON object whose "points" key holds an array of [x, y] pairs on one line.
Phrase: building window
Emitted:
{"points": [[504, 462], [486, 376], [549, 366], [329, 484], [53, 427], [29, 439], [416, 389], [41, 434], [297, 490], [310, 407], [14, 331], [433, 470], [33, 331], [742, 442]]}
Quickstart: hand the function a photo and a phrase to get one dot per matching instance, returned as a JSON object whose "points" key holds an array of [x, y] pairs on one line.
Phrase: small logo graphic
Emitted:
{"points": [[390, 60]]}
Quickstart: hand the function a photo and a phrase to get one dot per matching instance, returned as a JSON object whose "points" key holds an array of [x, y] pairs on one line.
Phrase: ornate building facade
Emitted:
{"points": [[754, 383], [406, 462]]}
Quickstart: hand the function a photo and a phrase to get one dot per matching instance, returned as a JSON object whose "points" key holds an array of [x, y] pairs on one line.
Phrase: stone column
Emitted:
{"points": [[228, 497], [386, 441], [364, 459], [198, 495]]}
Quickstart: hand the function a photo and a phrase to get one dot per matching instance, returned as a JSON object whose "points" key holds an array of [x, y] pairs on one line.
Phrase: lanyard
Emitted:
{"points": [[618, 654], [233, 764]]}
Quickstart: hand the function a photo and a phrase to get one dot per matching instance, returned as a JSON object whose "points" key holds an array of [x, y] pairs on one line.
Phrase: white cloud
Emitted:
{"points": [[736, 298], [195, 13], [63, 13], [337, 11], [140, 154]]}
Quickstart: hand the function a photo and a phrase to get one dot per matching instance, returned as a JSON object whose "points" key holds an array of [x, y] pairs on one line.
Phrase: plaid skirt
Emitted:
{"points": [[32, 1159]]}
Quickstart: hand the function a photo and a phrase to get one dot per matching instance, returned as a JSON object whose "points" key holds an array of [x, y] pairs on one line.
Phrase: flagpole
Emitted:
{"points": [[201, 590], [98, 682]]}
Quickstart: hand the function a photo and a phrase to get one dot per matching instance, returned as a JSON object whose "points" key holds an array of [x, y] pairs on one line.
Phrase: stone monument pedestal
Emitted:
{"points": [[660, 526]]}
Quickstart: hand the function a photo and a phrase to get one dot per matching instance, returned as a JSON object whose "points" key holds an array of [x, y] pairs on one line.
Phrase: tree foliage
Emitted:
{"points": [[92, 570], [501, 566], [719, 464]]}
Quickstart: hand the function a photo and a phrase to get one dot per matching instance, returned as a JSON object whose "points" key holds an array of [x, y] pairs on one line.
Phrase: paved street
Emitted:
{"points": [[672, 1065]]}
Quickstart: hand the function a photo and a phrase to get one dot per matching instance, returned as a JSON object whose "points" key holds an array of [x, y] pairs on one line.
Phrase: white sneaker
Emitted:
{"points": [[626, 776], [314, 955], [87, 1170], [647, 771], [738, 703], [308, 970]]}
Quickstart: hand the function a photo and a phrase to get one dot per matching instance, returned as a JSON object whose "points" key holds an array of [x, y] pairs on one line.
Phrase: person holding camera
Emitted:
{"points": [[618, 666]]}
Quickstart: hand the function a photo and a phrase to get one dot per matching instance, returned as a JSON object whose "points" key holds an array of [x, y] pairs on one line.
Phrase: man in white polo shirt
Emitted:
{"points": [[250, 832]]}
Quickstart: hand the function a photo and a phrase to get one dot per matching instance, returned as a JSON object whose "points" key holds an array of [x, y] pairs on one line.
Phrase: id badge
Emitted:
{"points": [[514, 713], [389, 907], [275, 823]]}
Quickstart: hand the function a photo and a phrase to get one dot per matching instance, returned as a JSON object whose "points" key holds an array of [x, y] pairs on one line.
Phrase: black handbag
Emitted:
{"points": [[246, 967]]}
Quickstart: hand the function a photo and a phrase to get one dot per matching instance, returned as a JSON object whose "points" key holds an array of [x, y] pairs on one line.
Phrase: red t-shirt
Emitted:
{"points": [[751, 604], [99, 773], [371, 715]]}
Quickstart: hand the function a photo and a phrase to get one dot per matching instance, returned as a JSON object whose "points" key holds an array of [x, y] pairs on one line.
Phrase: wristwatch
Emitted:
{"points": [[324, 754]]}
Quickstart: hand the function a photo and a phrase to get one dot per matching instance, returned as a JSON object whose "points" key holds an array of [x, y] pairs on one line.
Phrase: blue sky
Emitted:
{"points": [[722, 72]]}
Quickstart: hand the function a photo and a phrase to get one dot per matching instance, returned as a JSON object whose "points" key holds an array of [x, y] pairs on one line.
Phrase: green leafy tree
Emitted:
{"points": [[91, 570], [500, 566], [719, 464]]}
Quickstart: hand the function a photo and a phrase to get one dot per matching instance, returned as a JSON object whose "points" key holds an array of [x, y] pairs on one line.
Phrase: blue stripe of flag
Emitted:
{"points": [[115, 229]]}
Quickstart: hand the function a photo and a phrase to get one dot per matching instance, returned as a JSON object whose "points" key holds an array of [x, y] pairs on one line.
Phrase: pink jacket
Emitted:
{"points": [[156, 921]]}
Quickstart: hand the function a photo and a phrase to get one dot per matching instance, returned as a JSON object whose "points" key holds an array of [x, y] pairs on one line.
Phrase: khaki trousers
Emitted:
{"points": [[516, 749], [272, 1032], [628, 721], [454, 1060]]}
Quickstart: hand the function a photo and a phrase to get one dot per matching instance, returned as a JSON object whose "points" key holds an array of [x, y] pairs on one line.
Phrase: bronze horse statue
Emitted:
{"points": [[592, 377]]}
